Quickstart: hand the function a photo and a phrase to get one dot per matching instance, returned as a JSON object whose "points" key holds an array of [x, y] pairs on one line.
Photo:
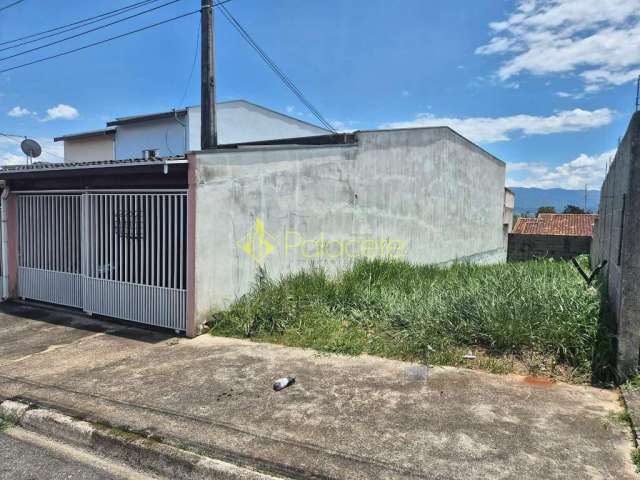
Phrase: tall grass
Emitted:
{"points": [[538, 309]]}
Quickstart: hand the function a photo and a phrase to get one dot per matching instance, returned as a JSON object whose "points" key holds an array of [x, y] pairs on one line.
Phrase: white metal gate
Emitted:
{"points": [[119, 254]]}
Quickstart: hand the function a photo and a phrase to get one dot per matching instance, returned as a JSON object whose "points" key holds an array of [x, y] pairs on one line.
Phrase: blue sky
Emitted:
{"points": [[547, 86]]}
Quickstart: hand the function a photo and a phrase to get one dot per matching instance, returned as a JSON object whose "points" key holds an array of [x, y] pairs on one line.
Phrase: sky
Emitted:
{"points": [[547, 86]]}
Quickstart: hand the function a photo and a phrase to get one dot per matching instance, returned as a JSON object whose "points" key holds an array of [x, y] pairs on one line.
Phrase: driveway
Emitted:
{"points": [[346, 417]]}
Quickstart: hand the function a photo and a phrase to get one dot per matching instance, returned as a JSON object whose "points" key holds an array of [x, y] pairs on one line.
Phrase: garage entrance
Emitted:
{"points": [[116, 253]]}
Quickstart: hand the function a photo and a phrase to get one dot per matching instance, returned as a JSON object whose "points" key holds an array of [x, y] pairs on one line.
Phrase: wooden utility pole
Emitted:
{"points": [[208, 132]]}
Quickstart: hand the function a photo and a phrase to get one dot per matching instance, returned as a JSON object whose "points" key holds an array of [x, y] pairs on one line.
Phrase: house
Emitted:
{"points": [[166, 240], [552, 235], [176, 132]]}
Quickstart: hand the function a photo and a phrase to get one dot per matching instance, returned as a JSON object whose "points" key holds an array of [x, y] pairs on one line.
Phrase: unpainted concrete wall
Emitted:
{"points": [[617, 240], [427, 195], [527, 247]]}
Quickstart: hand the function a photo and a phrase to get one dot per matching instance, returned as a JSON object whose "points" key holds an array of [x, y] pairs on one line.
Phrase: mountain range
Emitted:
{"points": [[528, 200]]}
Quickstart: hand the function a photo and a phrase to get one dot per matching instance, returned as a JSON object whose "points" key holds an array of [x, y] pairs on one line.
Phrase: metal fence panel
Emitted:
{"points": [[117, 254]]}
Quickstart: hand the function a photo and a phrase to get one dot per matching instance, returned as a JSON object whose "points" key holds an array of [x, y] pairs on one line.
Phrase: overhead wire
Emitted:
{"points": [[277, 70], [41, 36], [71, 37], [193, 66], [115, 37], [13, 137], [232, 20], [11, 5], [117, 11]]}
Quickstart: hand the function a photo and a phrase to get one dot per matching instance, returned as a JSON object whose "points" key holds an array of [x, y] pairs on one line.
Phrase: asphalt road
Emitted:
{"points": [[27, 456]]}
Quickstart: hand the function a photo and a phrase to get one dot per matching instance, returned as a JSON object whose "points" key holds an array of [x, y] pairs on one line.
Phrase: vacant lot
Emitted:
{"points": [[537, 316]]}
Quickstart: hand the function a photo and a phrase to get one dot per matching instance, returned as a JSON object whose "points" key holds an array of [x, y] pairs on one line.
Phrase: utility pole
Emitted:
{"points": [[208, 132], [638, 94], [585, 198]]}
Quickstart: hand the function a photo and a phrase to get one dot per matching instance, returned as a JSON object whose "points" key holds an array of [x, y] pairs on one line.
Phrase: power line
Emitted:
{"points": [[64, 29], [10, 136], [115, 12], [193, 66], [285, 79], [106, 40], [100, 42], [39, 47], [13, 137], [11, 5]]}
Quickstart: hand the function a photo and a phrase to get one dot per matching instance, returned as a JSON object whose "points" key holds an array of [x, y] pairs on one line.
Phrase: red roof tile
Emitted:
{"points": [[557, 224]]}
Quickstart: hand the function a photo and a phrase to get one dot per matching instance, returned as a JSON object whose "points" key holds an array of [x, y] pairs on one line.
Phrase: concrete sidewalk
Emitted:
{"points": [[353, 418]]}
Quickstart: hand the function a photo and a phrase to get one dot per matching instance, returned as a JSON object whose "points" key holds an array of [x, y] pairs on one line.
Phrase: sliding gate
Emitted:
{"points": [[119, 254]]}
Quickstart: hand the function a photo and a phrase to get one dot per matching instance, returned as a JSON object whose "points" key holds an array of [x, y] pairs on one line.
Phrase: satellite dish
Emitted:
{"points": [[31, 148]]}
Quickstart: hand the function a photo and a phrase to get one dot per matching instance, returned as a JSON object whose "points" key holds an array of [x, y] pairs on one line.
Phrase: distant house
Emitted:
{"points": [[507, 214], [176, 132], [560, 236]]}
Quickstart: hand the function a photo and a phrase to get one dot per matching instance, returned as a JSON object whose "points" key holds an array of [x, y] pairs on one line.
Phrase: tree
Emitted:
{"points": [[546, 210], [573, 209]]}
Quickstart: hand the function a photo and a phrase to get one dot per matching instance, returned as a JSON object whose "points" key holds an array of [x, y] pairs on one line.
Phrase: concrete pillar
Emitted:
{"points": [[192, 328], [12, 243]]}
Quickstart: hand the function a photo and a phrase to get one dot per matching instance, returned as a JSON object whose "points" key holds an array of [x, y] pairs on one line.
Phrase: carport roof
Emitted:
{"points": [[50, 166]]}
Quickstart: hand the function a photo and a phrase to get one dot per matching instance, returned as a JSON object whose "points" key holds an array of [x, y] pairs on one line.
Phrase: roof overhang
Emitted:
{"points": [[314, 140], [90, 134], [146, 118]]}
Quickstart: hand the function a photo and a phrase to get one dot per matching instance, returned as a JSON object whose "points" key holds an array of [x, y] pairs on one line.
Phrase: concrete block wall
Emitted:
{"points": [[427, 192], [528, 247], [617, 240]]}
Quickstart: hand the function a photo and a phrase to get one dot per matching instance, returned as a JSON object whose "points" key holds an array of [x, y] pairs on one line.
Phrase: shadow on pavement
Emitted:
{"points": [[56, 315]]}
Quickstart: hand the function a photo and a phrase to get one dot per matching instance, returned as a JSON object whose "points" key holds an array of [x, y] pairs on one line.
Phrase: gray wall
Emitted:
{"points": [[428, 191], [617, 240], [526, 247]]}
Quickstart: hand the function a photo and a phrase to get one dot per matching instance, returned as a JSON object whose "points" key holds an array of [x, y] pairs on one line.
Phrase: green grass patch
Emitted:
{"points": [[539, 314], [4, 424], [635, 457]]}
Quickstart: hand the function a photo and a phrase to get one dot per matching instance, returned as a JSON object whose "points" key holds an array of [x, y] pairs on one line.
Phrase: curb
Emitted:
{"points": [[133, 449], [631, 399]]}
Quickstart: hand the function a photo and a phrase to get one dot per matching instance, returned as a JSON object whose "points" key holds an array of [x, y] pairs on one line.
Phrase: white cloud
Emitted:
{"points": [[598, 40], [18, 111], [583, 170], [61, 111], [11, 154], [499, 129]]}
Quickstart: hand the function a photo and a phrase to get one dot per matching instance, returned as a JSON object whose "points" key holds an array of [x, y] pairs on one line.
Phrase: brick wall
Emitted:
{"points": [[525, 247]]}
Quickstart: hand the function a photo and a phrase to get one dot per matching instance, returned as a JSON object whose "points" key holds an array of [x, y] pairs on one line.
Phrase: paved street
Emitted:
{"points": [[345, 417], [27, 456]]}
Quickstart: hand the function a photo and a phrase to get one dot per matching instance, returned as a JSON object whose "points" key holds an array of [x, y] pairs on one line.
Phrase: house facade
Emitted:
{"points": [[167, 240], [176, 132], [551, 235]]}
